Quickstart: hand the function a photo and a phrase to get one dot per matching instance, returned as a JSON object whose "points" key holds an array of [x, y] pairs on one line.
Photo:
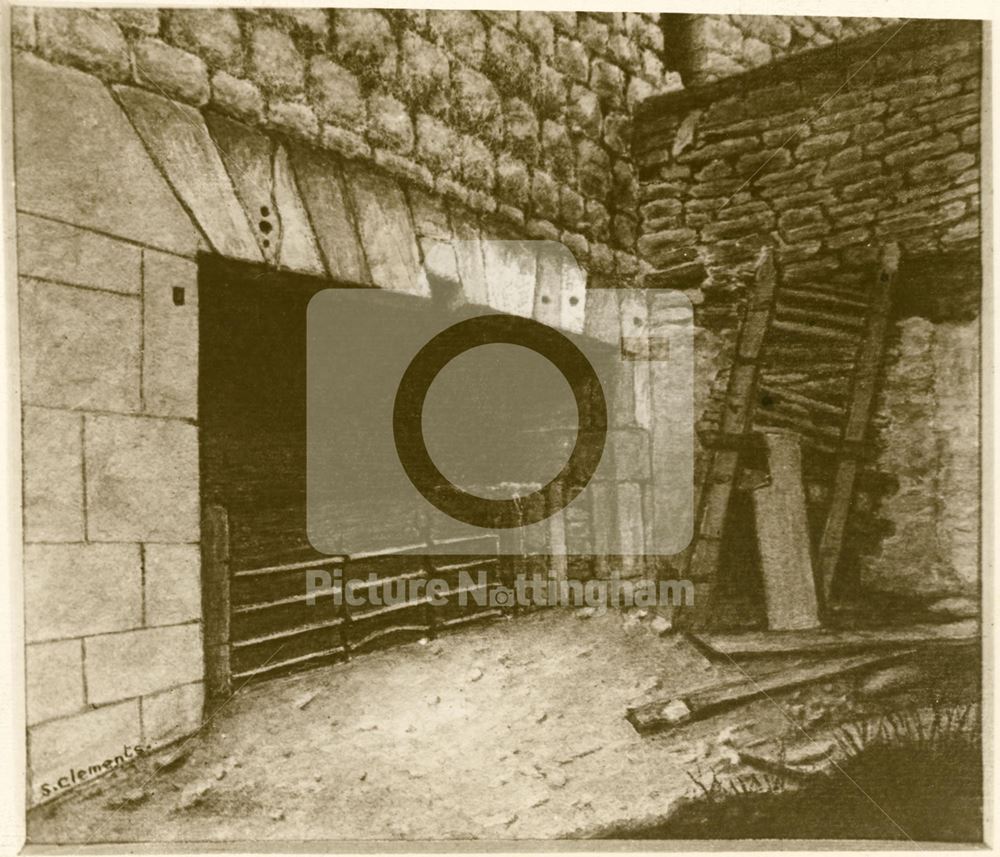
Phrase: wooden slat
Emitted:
{"points": [[803, 426], [215, 597], [292, 566], [474, 617], [282, 602], [830, 299], [274, 634], [817, 317], [808, 331], [868, 365], [288, 632], [805, 401], [275, 666]]}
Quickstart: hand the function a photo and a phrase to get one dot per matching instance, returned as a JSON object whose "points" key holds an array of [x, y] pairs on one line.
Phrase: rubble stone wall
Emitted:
{"points": [[525, 115], [717, 46], [789, 155], [828, 156]]}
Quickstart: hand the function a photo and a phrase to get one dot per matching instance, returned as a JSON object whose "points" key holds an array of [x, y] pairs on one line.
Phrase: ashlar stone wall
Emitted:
{"points": [[108, 343], [346, 144]]}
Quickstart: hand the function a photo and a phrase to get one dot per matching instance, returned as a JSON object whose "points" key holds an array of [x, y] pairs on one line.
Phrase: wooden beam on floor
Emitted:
{"points": [[823, 641], [676, 711]]}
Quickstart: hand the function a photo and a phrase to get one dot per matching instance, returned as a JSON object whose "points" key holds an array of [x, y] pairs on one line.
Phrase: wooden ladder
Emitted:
{"points": [[849, 324], [700, 562], [868, 364]]}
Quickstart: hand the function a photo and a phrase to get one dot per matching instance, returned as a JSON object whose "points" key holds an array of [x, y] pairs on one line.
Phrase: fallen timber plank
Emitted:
{"points": [[668, 713], [724, 647], [773, 766]]}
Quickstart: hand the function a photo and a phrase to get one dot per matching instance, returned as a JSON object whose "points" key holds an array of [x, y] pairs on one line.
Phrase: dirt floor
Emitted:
{"points": [[507, 730]]}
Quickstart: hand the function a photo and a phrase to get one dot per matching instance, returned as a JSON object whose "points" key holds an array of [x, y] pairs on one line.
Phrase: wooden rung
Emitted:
{"points": [[816, 371], [278, 665], [811, 316], [831, 299], [803, 426], [804, 401], [804, 330]]}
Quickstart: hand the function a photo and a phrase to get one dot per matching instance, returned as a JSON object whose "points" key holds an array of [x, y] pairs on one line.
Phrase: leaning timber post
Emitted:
{"points": [[868, 364], [215, 599], [700, 562]]}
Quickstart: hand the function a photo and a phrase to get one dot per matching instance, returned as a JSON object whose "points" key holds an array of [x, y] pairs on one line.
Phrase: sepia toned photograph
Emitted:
{"points": [[498, 429]]}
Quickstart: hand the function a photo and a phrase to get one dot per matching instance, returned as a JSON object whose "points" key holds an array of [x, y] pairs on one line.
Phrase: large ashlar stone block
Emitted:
{"points": [[603, 316], [170, 335], [79, 348], [298, 244], [635, 329], [628, 449], [248, 156], [135, 663], [910, 557], [73, 590], [88, 744], [179, 142], [84, 38], [54, 674], [322, 187], [470, 262], [511, 270], [671, 401], [172, 714], [561, 289], [440, 264], [53, 475], [387, 233], [933, 448], [956, 356], [630, 532], [142, 479], [78, 159], [57, 251], [173, 584]]}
